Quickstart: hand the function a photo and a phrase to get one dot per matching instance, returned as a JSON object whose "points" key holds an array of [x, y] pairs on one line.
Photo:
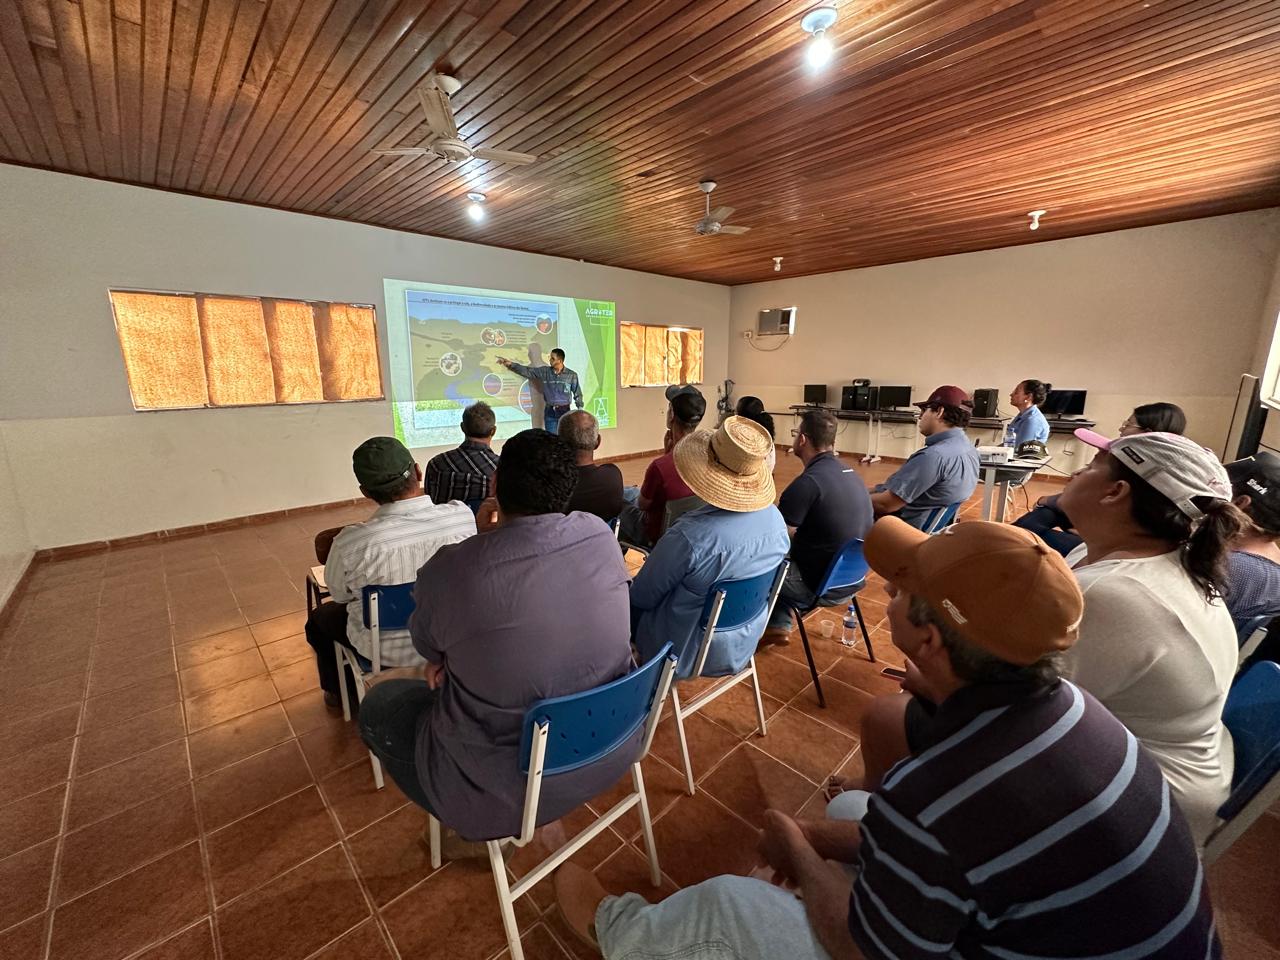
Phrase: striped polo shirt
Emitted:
{"points": [[462, 473], [1030, 826]]}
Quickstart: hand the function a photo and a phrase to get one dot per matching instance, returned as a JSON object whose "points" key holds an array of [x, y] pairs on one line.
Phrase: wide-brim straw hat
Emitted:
{"points": [[728, 467]]}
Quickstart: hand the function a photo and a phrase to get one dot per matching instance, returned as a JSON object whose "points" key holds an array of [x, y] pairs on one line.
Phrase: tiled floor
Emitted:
{"points": [[172, 788]]}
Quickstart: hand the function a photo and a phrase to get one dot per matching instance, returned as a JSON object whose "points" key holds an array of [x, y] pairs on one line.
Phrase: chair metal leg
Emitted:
{"points": [[646, 826], [755, 686], [684, 743], [505, 903], [342, 681], [862, 625], [433, 834], [378, 780], [813, 669]]}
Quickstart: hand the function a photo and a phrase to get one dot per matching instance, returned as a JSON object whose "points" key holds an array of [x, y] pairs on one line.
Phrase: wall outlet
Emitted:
{"points": [[748, 334]]}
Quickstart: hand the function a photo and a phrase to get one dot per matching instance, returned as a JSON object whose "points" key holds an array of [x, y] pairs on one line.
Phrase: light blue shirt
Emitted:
{"points": [[942, 472], [1030, 424], [706, 545]]}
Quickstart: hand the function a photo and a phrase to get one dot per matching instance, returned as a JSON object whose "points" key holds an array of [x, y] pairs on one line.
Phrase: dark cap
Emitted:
{"points": [[689, 408], [683, 389], [381, 462], [948, 396], [1257, 477]]}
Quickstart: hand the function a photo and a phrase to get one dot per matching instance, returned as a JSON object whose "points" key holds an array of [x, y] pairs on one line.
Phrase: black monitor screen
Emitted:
{"points": [[1064, 403], [893, 397], [815, 393]]}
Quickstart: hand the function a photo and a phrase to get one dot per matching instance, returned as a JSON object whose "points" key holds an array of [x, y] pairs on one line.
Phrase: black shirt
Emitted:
{"points": [[599, 491], [828, 505]]}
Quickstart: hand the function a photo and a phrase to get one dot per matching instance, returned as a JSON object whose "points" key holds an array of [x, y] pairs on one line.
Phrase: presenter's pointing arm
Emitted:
{"points": [[519, 368]]}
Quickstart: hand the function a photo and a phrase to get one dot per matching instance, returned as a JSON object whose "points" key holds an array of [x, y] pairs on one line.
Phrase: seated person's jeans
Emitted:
{"points": [[389, 719], [795, 593], [1052, 526]]}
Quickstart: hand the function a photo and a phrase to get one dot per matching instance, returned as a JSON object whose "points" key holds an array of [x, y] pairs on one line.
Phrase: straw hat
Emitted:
{"points": [[728, 468]]}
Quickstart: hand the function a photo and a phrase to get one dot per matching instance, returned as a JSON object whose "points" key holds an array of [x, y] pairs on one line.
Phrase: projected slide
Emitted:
{"points": [[445, 342]]}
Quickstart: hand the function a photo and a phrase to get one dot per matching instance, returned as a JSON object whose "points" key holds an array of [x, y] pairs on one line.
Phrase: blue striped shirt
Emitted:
{"points": [[557, 388], [1030, 825]]}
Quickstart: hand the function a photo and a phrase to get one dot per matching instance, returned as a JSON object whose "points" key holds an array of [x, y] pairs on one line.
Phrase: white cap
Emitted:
{"points": [[1179, 468]]}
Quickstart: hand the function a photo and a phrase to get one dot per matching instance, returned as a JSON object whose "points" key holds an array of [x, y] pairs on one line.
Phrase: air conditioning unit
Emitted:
{"points": [[780, 321]]}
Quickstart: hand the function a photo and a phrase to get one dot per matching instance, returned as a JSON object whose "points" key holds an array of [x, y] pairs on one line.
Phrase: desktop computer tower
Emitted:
{"points": [[865, 397], [985, 401], [847, 398]]}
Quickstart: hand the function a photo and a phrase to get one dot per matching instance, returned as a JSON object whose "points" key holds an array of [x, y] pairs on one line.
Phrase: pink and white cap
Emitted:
{"points": [[1178, 467]]}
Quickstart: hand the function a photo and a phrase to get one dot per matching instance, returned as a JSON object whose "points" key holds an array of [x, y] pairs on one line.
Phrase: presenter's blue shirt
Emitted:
{"points": [[706, 545], [942, 472], [1030, 424], [557, 388]]}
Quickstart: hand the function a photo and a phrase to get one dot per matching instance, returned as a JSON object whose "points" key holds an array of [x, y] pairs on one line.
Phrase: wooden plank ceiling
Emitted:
{"points": [[936, 128]]}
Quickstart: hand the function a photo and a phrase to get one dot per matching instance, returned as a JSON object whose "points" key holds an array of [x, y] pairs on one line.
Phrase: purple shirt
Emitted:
{"points": [[537, 608]]}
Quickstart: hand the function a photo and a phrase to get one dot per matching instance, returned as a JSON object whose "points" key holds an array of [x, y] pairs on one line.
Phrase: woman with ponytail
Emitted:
{"points": [[1157, 645], [1030, 423]]}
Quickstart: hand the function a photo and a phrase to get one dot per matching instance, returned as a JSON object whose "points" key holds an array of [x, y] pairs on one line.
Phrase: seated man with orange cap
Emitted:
{"points": [[1028, 821]]}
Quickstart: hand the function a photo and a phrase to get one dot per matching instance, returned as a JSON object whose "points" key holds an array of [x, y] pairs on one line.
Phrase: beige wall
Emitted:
{"points": [[1160, 313], [87, 467], [15, 545]]}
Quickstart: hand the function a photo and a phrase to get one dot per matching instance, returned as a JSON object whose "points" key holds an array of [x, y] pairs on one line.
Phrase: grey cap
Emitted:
{"points": [[682, 389]]}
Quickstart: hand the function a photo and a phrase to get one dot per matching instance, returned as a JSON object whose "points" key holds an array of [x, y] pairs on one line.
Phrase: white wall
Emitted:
{"points": [[1171, 313], [15, 545], [87, 467]]}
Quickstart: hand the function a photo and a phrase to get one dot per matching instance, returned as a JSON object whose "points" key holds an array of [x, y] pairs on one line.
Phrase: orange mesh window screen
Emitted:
{"points": [[347, 336], [295, 359], [675, 350], [655, 355], [160, 339], [632, 352], [237, 362], [691, 361]]}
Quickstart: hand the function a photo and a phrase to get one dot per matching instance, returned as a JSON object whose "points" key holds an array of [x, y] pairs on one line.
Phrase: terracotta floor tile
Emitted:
{"points": [[697, 839], [805, 745], [25, 941], [663, 785], [365, 942], [627, 871], [138, 909], [223, 744], [1243, 880], [281, 653], [150, 640], [226, 703], [213, 648], [36, 770], [388, 855], [552, 836], [26, 822], [749, 782], [110, 674], [222, 672], [296, 678], [251, 784], [537, 943], [194, 943], [708, 743], [355, 800], [735, 709], [32, 732], [453, 913], [332, 747], [24, 883], [125, 704], [41, 698], [206, 625], [295, 914], [111, 789], [130, 738], [780, 676], [844, 709], [278, 628], [16, 672], [120, 843], [825, 652], [307, 712], [273, 609], [865, 676]]}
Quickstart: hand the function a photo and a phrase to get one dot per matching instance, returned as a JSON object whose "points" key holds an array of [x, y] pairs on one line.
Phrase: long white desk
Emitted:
{"points": [[998, 476]]}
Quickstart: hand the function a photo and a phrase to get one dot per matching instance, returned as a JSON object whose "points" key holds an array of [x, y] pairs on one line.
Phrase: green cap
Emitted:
{"points": [[381, 462]]}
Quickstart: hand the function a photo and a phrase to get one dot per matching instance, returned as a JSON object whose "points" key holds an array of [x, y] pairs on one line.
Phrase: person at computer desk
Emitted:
{"points": [[942, 472], [1030, 423]]}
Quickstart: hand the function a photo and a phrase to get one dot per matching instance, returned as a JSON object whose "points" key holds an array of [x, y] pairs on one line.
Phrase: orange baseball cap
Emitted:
{"points": [[1003, 588]]}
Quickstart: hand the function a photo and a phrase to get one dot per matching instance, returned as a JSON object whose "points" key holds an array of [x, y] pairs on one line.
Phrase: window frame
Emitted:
{"points": [[678, 328]]}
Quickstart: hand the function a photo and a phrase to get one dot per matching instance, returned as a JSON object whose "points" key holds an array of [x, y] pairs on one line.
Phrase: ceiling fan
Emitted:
{"points": [[445, 143], [714, 221]]}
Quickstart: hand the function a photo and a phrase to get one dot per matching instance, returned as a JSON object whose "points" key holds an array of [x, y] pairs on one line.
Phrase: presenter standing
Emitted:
{"points": [[559, 385]]}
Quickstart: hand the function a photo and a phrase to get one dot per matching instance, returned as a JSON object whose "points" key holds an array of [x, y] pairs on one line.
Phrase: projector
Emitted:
{"points": [[995, 454]]}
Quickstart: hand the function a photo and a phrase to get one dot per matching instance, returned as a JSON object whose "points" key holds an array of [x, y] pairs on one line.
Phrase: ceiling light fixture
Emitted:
{"points": [[777, 264], [817, 22], [1035, 216], [476, 209]]}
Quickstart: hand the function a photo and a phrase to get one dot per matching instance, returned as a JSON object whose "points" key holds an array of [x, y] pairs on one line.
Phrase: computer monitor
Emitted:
{"points": [[815, 393], [1064, 403], [893, 397]]}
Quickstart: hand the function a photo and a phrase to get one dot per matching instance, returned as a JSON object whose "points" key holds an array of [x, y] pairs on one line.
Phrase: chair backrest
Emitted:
{"points": [[385, 607], [939, 518], [566, 733], [1252, 714], [615, 525], [1246, 630], [731, 603], [847, 570], [677, 508], [1251, 633]]}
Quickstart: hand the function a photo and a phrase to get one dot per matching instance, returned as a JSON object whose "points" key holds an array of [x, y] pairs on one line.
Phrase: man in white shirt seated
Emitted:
{"points": [[404, 533]]}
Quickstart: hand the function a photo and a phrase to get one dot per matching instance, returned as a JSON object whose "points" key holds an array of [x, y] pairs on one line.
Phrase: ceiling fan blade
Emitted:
{"points": [[721, 213], [726, 228], [403, 152], [435, 104], [504, 156]]}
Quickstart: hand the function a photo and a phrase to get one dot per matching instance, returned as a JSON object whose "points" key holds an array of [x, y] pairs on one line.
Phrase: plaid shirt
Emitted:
{"points": [[462, 473]]}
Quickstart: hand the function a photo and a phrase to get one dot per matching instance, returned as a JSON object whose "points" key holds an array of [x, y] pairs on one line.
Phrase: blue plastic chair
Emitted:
{"points": [[729, 604], [845, 576], [1251, 633], [384, 607], [1252, 714], [567, 733], [939, 518]]}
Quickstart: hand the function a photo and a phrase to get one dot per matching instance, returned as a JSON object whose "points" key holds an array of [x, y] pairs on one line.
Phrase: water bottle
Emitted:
{"points": [[1010, 437], [849, 627]]}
